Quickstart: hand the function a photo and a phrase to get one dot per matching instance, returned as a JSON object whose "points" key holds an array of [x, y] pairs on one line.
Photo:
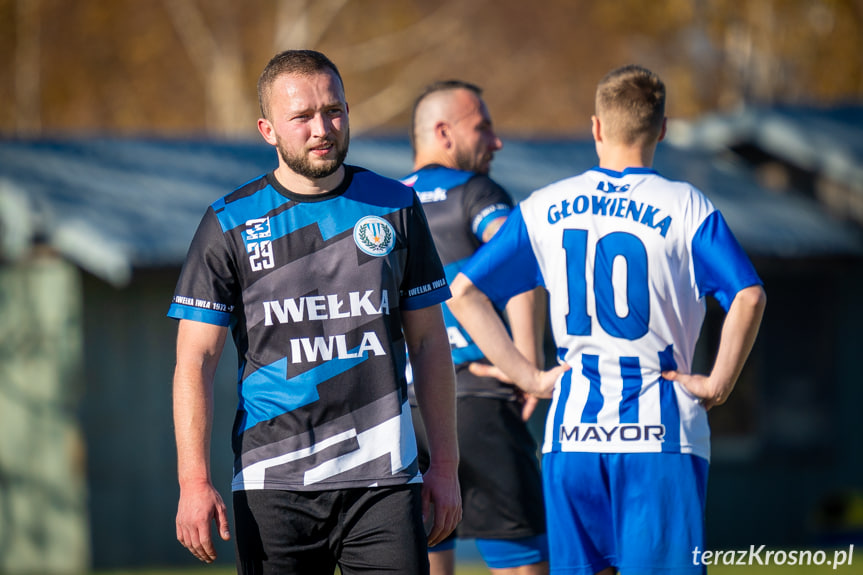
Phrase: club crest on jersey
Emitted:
{"points": [[374, 236]]}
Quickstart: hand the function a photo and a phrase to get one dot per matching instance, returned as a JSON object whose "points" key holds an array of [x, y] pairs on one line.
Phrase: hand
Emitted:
{"points": [[198, 506], [528, 405], [441, 497], [542, 386], [487, 370], [710, 393], [547, 380], [527, 401]]}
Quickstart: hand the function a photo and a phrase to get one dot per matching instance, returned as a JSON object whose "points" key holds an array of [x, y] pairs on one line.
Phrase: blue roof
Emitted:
{"points": [[111, 205]]}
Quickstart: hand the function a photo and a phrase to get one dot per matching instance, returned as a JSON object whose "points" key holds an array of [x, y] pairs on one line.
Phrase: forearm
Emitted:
{"points": [[526, 315], [739, 331], [476, 314], [434, 383], [198, 351], [193, 416]]}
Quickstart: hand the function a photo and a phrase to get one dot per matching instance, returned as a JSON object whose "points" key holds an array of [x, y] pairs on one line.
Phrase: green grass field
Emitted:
{"points": [[854, 568]]}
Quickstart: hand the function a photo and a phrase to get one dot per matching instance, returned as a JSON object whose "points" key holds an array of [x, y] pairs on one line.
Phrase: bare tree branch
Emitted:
{"points": [[218, 62], [425, 48], [301, 24], [194, 33], [436, 29], [399, 94], [28, 37]]}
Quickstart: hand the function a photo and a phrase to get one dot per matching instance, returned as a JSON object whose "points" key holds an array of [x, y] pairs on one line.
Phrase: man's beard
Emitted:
{"points": [[301, 163], [469, 163]]}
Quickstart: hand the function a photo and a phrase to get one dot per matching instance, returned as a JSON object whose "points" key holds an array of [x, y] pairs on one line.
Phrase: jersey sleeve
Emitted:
{"points": [[720, 265], [485, 201], [424, 283], [506, 266], [206, 290]]}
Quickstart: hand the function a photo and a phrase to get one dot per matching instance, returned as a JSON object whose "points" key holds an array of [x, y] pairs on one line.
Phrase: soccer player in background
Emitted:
{"points": [[454, 143], [326, 273], [627, 257]]}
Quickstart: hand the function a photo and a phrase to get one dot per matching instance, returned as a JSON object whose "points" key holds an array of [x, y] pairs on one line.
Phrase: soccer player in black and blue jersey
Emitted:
{"points": [[325, 274], [454, 143]]}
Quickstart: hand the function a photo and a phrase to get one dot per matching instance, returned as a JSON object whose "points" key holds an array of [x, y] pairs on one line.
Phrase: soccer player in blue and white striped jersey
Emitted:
{"points": [[628, 258]]}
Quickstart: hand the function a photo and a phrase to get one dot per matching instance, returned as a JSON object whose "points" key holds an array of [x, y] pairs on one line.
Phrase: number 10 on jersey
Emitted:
{"points": [[614, 249]]}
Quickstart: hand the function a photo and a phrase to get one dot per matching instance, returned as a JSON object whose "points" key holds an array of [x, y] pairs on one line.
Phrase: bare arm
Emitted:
{"points": [[738, 335], [199, 346], [526, 315], [476, 313], [434, 383]]}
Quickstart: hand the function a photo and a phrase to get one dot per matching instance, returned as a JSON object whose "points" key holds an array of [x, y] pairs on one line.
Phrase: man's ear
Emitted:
{"points": [[595, 128], [442, 134], [267, 131], [662, 132]]}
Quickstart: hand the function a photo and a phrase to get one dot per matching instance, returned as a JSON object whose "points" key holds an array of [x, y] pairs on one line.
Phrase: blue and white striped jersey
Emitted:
{"points": [[313, 288], [627, 259]]}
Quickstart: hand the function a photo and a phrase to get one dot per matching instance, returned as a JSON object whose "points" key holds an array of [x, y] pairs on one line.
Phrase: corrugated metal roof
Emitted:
{"points": [[111, 205], [828, 141]]}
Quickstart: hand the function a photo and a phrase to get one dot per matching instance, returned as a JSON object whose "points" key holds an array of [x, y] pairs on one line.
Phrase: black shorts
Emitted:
{"points": [[501, 485], [364, 531]]}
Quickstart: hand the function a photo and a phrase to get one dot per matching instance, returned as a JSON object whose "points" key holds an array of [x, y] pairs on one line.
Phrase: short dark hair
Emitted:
{"points": [[630, 101], [433, 88], [302, 62]]}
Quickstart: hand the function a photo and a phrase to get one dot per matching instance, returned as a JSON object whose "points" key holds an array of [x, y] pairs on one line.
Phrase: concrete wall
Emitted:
{"points": [[43, 513]]}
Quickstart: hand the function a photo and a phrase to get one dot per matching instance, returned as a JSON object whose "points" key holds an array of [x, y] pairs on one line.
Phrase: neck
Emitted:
{"points": [[303, 185], [428, 158], [618, 158]]}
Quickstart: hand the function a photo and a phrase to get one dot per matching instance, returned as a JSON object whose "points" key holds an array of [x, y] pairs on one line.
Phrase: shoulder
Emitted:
{"points": [[372, 188], [482, 182], [243, 191], [242, 204], [433, 177], [687, 197]]}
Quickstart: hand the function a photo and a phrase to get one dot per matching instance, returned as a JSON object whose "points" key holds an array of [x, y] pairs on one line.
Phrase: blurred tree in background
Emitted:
{"points": [[189, 67]]}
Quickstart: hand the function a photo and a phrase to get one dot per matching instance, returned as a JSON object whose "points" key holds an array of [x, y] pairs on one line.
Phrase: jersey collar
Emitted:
{"points": [[625, 172]]}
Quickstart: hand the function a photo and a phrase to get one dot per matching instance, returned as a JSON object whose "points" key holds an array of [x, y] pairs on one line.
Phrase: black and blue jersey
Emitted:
{"points": [[459, 206], [313, 288]]}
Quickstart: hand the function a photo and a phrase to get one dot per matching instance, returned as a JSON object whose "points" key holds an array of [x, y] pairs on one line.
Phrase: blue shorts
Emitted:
{"points": [[510, 553], [642, 513]]}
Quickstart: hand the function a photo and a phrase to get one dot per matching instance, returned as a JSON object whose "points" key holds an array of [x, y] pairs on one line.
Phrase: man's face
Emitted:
{"points": [[308, 123], [473, 136]]}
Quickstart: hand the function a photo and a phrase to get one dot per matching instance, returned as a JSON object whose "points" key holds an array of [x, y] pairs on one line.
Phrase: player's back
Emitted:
{"points": [[615, 250], [623, 256]]}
